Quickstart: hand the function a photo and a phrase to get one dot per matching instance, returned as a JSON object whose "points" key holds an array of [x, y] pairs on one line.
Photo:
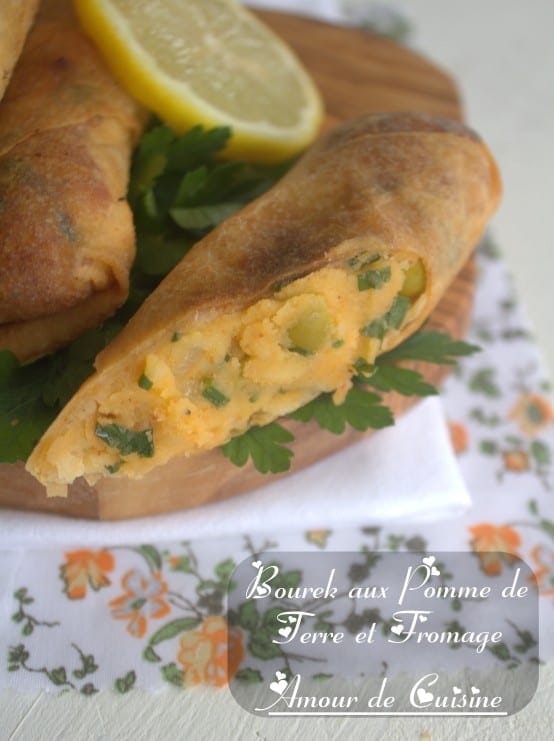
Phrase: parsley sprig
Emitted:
{"points": [[431, 347], [362, 408], [264, 445], [179, 191]]}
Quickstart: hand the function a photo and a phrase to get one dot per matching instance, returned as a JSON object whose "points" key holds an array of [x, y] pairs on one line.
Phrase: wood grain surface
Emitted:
{"points": [[357, 73]]}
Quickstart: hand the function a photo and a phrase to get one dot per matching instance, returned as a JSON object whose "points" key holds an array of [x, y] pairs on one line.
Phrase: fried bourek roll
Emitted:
{"points": [[16, 17], [66, 233], [343, 259]]}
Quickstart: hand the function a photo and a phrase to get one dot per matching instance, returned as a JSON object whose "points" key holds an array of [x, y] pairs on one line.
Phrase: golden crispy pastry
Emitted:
{"points": [[345, 257], [16, 17], [66, 232]]}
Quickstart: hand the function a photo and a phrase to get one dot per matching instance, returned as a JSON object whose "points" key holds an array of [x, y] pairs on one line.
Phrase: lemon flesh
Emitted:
{"points": [[209, 62]]}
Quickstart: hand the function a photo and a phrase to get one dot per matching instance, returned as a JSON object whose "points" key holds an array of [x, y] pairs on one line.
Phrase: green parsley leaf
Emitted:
{"points": [[360, 409], [66, 370], [158, 254], [150, 159], [203, 217], [432, 347], [179, 191], [9, 364], [127, 441], [191, 185], [264, 445], [195, 147], [23, 414], [405, 381]]}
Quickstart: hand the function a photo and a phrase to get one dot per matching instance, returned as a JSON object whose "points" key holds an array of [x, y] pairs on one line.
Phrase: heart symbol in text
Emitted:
{"points": [[424, 696], [279, 687], [397, 629], [285, 632], [428, 561], [256, 564], [456, 690], [475, 690]]}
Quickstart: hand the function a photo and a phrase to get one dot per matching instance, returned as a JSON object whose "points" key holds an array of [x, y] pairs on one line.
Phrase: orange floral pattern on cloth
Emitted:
{"points": [[459, 436], [212, 653], [516, 460], [493, 545], [84, 568], [532, 413], [142, 600], [318, 537], [543, 563]]}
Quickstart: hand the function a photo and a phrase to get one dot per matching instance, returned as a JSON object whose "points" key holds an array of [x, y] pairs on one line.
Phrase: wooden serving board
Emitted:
{"points": [[357, 73]]}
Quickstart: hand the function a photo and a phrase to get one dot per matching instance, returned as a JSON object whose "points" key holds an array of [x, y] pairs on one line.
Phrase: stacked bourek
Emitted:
{"points": [[292, 297]]}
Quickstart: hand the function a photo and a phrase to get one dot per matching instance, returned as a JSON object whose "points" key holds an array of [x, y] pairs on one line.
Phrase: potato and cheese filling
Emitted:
{"points": [[199, 388]]}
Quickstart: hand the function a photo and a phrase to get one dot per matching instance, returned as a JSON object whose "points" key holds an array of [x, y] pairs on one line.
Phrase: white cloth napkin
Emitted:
{"points": [[404, 472]]}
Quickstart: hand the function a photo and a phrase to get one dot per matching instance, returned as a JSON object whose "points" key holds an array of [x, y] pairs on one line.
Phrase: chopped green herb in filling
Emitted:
{"points": [[364, 368], [397, 312], [393, 318], [374, 278], [214, 395], [127, 441], [361, 260], [176, 336], [144, 382], [376, 328], [300, 351], [114, 467]]}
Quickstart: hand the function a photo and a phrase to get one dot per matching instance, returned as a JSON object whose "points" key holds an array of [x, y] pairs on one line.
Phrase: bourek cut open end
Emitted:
{"points": [[342, 260]]}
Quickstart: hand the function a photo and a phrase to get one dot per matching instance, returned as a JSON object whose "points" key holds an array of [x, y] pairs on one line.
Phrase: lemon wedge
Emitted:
{"points": [[208, 62]]}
